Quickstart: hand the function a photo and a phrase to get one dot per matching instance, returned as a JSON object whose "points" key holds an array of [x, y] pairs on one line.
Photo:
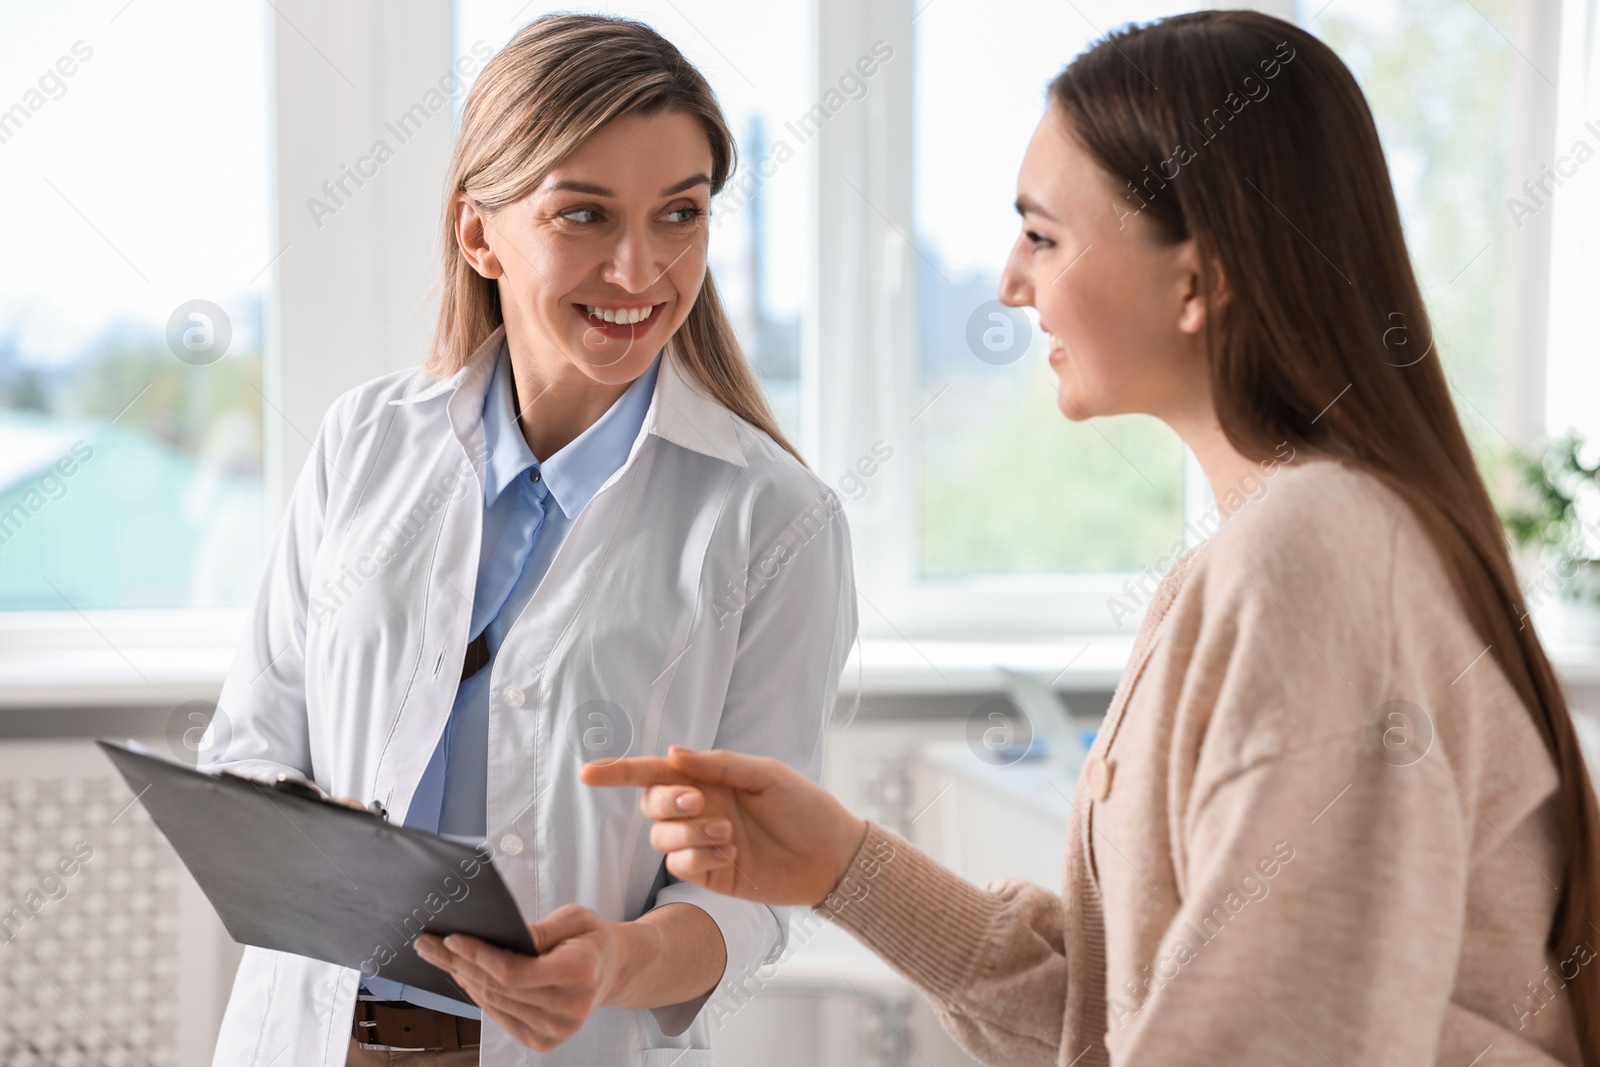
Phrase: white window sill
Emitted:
{"points": [[149, 659], [114, 658], [886, 666], [1084, 663]]}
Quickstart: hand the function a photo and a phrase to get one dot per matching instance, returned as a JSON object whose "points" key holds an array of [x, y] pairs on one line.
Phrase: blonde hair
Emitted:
{"points": [[557, 82]]}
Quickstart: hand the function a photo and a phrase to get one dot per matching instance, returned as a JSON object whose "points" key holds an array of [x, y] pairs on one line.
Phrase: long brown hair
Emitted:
{"points": [[559, 80], [1324, 341]]}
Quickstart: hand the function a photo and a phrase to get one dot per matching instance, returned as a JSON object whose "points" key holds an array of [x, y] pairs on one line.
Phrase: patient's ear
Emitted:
{"points": [[472, 237], [1202, 297]]}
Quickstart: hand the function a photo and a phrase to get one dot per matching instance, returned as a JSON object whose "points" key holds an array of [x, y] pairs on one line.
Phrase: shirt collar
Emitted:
{"points": [[508, 454], [575, 473]]}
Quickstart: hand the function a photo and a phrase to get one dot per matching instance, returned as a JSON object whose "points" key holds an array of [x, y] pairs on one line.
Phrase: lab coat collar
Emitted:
{"points": [[685, 414], [465, 390], [680, 411]]}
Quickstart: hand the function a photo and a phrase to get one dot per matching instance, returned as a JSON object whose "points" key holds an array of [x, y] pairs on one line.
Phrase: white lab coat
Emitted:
{"points": [[704, 595]]}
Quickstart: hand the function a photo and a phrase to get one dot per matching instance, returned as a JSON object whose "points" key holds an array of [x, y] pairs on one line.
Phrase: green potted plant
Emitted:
{"points": [[1552, 514]]}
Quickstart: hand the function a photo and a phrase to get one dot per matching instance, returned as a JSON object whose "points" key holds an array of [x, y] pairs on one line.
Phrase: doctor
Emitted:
{"points": [[577, 532]]}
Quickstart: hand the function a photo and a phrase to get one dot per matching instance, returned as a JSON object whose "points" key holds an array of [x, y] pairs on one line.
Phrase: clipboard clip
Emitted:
{"points": [[300, 787]]}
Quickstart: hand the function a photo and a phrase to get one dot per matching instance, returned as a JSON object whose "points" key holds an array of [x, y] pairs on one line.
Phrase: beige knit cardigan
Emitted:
{"points": [[1317, 826]]}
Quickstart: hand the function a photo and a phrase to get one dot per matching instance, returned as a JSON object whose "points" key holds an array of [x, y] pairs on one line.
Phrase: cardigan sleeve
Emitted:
{"points": [[991, 961]]}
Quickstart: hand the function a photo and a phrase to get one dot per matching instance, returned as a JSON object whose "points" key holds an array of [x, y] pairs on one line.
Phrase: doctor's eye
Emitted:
{"points": [[580, 215], [685, 216]]}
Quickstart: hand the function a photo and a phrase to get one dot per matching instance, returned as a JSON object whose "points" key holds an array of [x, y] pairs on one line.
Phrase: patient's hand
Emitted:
{"points": [[747, 826]]}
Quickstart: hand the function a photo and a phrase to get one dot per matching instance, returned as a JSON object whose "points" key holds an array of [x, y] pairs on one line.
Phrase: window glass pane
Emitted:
{"points": [[133, 160], [1006, 483], [760, 69], [1438, 77]]}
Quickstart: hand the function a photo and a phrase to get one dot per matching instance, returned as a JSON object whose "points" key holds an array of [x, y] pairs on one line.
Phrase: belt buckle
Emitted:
{"points": [[371, 1025], [370, 1046]]}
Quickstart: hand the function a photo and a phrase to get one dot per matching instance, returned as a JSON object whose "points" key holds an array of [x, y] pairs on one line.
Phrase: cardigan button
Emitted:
{"points": [[1097, 776]]}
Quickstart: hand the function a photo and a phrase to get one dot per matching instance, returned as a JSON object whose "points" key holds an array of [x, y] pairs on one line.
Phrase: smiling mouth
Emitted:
{"points": [[619, 316], [611, 331]]}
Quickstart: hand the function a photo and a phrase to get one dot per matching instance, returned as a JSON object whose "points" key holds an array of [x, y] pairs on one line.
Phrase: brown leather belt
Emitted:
{"points": [[477, 656], [401, 1027]]}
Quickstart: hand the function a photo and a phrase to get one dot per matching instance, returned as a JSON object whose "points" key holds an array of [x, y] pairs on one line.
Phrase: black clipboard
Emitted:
{"points": [[289, 870]]}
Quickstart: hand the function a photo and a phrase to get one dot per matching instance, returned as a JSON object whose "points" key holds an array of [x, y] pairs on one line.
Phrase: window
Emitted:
{"points": [[1573, 207], [1005, 484], [133, 158], [995, 515], [759, 240], [1439, 77]]}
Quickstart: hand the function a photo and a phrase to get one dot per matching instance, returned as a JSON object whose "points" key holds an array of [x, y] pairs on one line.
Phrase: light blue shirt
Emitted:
{"points": [[528, 507]]}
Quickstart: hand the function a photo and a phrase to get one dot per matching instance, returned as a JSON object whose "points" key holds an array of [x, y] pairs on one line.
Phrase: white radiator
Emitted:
{"points": [[109, 953]]}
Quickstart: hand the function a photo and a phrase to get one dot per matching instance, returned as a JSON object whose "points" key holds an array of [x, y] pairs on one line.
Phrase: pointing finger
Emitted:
{"points": [[721, 767], [633, 771]]}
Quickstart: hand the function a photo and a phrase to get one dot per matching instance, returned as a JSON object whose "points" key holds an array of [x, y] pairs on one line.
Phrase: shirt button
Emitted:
{"points": [[1097, 776], [533, 474], [513, 696], [511, 844]]}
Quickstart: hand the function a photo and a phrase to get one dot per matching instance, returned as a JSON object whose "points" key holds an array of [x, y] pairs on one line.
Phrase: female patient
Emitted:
{"points": [[534, 551], [1336, 812]]}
